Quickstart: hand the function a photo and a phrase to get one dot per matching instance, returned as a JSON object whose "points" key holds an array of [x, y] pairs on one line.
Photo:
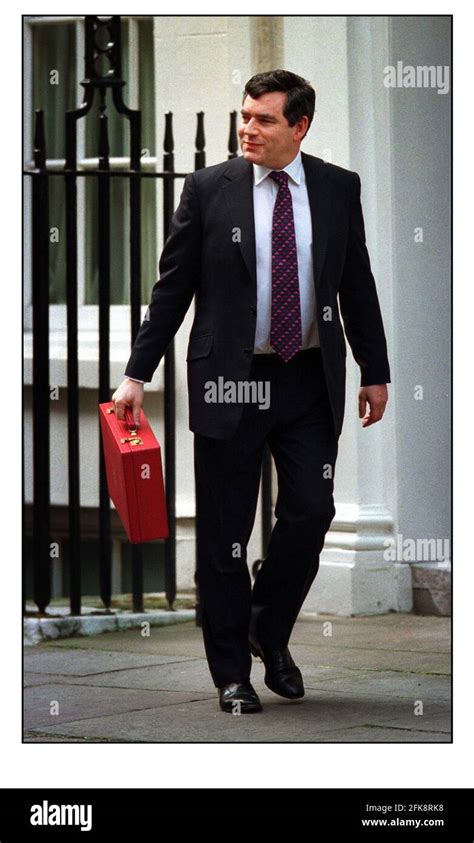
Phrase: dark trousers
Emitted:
{"points": [[299, 430]]}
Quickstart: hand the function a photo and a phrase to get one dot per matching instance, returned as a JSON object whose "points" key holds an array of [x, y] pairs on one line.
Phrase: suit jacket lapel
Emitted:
{"points": [[238, 193], [319, 195]]}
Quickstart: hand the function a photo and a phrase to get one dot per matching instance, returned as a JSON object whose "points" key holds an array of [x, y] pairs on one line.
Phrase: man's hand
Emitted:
{"points": [[128, 394], [376, 397]]}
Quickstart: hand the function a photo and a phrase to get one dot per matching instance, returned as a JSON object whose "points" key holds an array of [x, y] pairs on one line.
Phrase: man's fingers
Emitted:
{"points": [[375, 414], [120, 409], [136, 412], [362, 406], [128, 396]]}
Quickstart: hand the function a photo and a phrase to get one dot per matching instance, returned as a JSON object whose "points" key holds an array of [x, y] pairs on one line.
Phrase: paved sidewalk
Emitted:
{"points": [[374, 679]]}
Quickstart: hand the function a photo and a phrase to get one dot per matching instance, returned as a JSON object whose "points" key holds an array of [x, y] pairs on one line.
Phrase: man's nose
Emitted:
{"points": [[248, 128]]}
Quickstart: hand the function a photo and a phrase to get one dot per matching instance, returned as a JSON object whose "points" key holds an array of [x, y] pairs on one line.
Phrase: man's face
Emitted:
{"points": [[265, 136]]}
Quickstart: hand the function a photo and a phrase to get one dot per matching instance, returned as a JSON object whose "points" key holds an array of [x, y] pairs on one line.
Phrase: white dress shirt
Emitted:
{"points": [[264, 195]]}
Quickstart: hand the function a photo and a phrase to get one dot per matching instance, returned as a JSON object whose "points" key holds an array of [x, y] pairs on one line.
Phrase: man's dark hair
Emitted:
{"points": [[300, 96]]}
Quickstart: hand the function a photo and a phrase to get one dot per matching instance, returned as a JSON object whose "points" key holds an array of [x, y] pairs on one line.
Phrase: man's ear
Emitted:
{"points": [[303, 126]]}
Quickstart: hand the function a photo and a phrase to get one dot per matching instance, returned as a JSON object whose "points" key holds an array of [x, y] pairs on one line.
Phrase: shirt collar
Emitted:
{"points": [[293, 169]]}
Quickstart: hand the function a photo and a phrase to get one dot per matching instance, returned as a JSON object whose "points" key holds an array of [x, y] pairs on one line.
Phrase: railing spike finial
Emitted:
{"points": [[200, 155], [200, 138], [233, 144], [168, 143]]}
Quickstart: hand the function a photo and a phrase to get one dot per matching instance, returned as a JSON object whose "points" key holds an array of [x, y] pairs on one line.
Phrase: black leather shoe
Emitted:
{"points": [[239, 698], [282, 675]]}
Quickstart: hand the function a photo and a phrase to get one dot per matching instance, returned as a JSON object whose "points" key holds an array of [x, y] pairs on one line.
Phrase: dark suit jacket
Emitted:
{"points": [[210, 253]]}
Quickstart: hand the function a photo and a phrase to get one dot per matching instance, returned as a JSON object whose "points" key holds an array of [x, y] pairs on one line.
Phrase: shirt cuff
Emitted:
{"points": [[134, 379]]}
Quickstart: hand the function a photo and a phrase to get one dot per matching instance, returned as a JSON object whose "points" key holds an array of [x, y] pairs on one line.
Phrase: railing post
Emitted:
{"points": [[103, 238], [41, 398], [74, 478], [134, 118], [170, 384], [199, 163]]}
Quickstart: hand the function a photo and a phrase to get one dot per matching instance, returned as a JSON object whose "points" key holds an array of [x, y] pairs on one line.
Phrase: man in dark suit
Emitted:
{"points": [[266, 242]]}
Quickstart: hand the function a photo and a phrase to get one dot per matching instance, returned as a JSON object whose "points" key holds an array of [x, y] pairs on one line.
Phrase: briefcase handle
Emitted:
{"points": [[129, 420]]}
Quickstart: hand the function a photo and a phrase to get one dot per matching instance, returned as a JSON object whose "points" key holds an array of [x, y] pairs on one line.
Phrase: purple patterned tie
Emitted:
{"points": [[285, 333]]}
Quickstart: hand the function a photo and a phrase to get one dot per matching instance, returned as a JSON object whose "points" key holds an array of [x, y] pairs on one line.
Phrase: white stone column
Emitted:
{"points": [[354, 576]]}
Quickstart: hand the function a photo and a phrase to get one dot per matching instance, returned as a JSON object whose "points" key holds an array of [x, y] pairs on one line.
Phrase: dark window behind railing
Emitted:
{"points": [[103, 78]]}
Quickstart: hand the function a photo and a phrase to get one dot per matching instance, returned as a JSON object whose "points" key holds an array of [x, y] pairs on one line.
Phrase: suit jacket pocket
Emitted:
{"points": [[199, 346]]}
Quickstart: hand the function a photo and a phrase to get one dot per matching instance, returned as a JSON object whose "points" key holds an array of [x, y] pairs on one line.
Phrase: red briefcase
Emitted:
{"points": [[134, 474]]}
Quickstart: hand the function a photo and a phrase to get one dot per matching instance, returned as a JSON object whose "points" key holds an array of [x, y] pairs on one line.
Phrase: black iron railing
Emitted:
{"points": [[103, 75]]}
